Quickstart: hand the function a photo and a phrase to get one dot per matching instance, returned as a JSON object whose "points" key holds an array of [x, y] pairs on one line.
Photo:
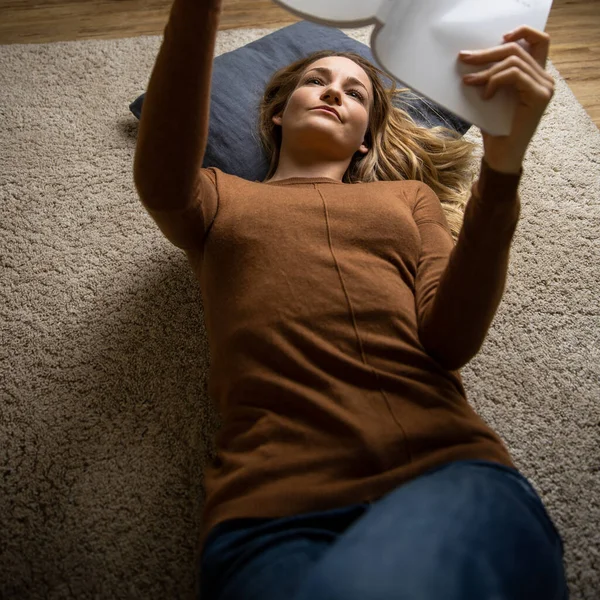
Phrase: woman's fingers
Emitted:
{"points": [[522, 69], [510, 62], [513, 64], [531, 92], [499, 53], [539, 42]]}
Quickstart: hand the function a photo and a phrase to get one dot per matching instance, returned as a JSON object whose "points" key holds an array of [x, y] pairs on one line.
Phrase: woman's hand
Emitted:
{"points": [[524, 71]]}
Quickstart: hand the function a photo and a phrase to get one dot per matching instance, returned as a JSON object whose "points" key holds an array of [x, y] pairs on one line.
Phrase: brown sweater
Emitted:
{"points": [[338, 316]]}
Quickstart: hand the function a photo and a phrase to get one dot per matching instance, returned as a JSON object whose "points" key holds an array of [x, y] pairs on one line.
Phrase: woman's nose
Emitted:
{"points": [[332, 94]]}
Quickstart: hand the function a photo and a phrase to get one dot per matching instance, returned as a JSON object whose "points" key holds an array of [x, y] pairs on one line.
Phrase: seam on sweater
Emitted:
{"points": [[351, 308], [216, 184], [435, 223]]}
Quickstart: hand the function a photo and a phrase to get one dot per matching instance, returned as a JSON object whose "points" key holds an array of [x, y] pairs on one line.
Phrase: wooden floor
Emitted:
{"points": [[574, 26]]}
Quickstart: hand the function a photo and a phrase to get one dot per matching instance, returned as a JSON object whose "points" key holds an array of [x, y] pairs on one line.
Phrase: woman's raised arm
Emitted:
{"points": [[173, 131]]}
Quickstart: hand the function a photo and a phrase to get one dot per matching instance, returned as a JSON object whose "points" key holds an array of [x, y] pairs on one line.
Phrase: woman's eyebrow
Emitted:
{"points": [[328, 72]]}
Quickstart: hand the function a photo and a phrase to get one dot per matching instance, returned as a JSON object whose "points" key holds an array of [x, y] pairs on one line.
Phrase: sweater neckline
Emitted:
{"points": [[292, 180]]}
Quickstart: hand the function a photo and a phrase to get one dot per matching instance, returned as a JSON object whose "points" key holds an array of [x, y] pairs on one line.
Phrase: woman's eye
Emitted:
{"points": [[360, 96]]}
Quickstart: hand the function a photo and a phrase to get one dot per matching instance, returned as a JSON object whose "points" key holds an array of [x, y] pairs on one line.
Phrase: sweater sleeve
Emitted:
{"points": [[173, 134], [458, 287], [187, 227]]}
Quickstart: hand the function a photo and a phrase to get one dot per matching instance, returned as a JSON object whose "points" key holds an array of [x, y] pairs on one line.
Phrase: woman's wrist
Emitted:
{"points": [[496, 185], [509, 167]]}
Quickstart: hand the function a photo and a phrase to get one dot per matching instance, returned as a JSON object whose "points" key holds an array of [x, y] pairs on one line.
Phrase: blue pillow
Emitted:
{"points": [[238, 82]]}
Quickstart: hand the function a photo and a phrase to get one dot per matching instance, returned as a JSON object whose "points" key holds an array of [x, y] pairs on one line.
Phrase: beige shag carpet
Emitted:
{"points": [[105, 423]]}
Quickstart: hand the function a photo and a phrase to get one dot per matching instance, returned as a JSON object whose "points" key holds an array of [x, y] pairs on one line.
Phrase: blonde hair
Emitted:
{"points": [[399, 148]]}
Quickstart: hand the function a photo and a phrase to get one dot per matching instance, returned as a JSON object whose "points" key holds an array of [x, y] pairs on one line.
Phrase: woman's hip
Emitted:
{"points": [[466, 529]]}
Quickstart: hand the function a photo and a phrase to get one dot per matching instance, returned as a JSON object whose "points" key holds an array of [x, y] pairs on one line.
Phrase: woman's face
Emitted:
{"points": [[319, 133]]}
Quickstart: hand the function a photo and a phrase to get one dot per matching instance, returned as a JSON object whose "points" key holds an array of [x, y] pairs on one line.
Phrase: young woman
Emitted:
{"points": [[342, 295]]}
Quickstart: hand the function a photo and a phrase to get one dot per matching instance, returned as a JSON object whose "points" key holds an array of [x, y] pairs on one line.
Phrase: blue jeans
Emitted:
{"points": [[467, 530]]}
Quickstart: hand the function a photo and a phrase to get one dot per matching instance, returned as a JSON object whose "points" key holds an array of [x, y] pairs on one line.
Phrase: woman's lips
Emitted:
{"points": [[328, 110]]}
